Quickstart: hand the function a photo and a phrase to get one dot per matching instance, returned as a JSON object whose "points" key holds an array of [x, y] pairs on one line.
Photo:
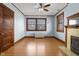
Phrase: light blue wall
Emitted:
{"points": [[69, 10]]}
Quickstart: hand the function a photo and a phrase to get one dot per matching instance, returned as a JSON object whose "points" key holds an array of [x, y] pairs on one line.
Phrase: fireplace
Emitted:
{"points": [[75, 44]]}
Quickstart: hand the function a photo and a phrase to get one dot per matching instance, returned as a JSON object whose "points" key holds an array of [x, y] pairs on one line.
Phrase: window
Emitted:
{"points": [[36, 24], [60, 22]]}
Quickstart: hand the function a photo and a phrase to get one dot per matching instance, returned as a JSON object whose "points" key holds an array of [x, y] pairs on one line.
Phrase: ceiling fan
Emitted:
{"points": [[43, 7]]}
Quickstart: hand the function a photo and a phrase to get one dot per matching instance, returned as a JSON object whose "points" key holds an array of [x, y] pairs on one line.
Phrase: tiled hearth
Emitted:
{"points": [[66, 51]]}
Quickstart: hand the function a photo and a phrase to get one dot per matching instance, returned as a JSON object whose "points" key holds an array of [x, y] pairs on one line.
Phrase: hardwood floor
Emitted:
{"points": [[35, 47]]}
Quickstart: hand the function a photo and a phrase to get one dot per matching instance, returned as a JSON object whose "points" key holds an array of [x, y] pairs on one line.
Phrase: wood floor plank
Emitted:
{"points": [[35, 47]]}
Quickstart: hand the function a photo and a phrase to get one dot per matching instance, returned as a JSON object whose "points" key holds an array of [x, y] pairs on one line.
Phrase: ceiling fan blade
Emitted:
{"points": [[46, 10], [47, 5]]}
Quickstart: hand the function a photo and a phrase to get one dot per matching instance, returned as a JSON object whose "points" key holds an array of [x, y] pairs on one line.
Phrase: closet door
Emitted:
{"points": [[1, 21], [7, 28], [8, 39]]}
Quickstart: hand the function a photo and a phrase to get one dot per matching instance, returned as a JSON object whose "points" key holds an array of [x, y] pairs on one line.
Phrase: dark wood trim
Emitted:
{"points": [[46, 24], [66, 36], [72, 26], [58, 22], [59, 39], [49, 36], [39, 37], [29, 36], [36, 24], [67, 22], [71, 17]]}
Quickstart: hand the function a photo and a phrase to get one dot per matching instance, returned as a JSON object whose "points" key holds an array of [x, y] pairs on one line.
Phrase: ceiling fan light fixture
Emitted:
{"points": [[40, 9]]}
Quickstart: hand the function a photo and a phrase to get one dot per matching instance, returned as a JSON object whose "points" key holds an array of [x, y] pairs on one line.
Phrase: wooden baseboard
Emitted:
{"points": [[29, 36], [40, 37], [49, 36], [59, 39]]}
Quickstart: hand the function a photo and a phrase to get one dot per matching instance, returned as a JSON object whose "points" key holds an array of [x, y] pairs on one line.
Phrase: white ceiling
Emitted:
{"points": [[29, 8]]}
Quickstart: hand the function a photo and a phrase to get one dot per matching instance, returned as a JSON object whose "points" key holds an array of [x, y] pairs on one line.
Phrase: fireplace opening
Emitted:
{"points": [[75, 44]]}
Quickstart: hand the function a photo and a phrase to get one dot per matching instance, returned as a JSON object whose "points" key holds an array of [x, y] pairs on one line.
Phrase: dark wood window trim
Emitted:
{"points": [[58, 22], [35, 24]]}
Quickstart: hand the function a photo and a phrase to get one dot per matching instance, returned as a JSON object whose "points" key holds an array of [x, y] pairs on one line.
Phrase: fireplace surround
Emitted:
{"points": [[71, 36]]}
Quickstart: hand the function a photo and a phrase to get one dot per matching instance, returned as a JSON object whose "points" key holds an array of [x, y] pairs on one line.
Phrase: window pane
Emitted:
{"points": [[60, 27], [41, 27], [40, 21], [31, 27], [60, 22], [31, 21], [36, 24]]}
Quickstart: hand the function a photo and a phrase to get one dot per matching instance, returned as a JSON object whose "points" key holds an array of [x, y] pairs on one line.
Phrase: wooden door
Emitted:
{"points": [[1, 21], [7, 28]]}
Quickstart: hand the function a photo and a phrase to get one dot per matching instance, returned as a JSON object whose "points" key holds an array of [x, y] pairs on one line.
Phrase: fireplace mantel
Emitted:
{"points": [[72, 26], [70, 31]]}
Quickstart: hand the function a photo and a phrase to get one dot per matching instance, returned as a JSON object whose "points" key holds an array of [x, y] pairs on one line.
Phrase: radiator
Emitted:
{"points": [[39, 35]]}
